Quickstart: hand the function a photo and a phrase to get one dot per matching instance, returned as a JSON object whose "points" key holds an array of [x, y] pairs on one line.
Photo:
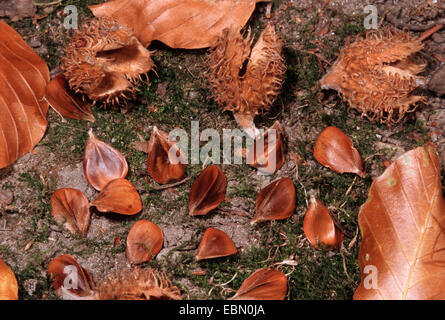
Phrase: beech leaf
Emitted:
{"points": [[70, 207], [276, 201], [9, 289], [144, 241], [64, 270], [102, 163], [263, 284], [319, 227], [165, 162], [208, 191], [23, 79], [334, 149], [402, 225], [65, 102], [186, 24], [214, 244]]}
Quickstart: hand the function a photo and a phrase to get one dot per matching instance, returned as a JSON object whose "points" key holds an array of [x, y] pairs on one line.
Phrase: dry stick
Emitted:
{"points": [[44, 4], [166, 186], [430, 32], [237, 212]]}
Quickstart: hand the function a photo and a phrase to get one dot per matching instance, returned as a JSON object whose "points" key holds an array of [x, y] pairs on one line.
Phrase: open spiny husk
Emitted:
{"points": [[376, 74], [254, 91], [104, 60], [137, 284]]}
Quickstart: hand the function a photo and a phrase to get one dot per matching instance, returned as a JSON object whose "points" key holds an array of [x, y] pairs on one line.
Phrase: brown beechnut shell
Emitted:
{"points": [[375, 74], [249, 93], [104, 59], [215, 244], [137, 284]]}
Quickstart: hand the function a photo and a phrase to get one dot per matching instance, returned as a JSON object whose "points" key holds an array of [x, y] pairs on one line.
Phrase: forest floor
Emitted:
{"points": [[178, 94]]}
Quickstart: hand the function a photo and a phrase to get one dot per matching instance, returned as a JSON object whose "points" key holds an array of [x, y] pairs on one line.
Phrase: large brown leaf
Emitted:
{"points": [[23, 79], [402, 255], [187, 24]]}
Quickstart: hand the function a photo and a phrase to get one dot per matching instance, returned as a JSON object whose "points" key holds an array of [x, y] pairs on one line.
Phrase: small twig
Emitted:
{"points": [[171, 185], [44, 4], [430, 32], [344, 266], [237, 212], [347, 193]]}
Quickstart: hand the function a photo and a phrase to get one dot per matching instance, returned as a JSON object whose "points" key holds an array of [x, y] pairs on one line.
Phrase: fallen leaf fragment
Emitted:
{"points": [[319, 227], [65, 102], [208, 191], [119, 196], [215, 244], [102, 163], [137, 284], [276, 201], [334, 149], [144, 241], [23, 79], [70, 207], [263, 284], [379, 86], [402, 227], [186, 24], [165, 162], [267, 152], [69, 279], [9, 289]]}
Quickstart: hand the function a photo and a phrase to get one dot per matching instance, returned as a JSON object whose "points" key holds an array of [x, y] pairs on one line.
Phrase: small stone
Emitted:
{"points": [[6, 197], [437, 82]]}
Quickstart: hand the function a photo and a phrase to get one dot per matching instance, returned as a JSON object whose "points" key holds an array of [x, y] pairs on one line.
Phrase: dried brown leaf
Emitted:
{"points": [[402, 225], [186, 24], [23, 79]]}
